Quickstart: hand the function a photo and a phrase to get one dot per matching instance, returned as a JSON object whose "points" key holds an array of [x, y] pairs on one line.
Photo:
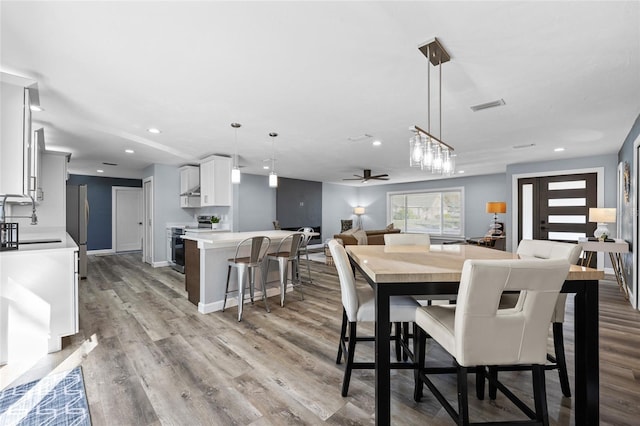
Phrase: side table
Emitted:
{"points": [[615, 249]]}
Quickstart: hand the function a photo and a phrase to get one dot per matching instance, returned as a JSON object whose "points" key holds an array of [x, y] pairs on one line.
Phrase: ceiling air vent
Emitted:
{"points": [[359, 137], [109, 164], [488, 105]]}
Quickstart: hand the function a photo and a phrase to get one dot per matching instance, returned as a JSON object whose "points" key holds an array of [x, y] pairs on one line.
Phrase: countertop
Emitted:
{"points": [[66, 242], [217, 239]]}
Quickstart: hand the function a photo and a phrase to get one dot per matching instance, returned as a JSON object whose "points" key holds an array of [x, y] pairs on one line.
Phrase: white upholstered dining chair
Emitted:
{"points": [[477, 333], [545, 249], [359, 306]]}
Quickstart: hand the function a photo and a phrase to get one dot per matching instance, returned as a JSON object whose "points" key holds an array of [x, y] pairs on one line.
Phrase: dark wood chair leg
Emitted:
{"points": [[540, 394], [493, 390], [480, 379], [405, 339], [350, 352], [558, 343], [343, 334], [463, 402], [420, 344], [398, 338]]}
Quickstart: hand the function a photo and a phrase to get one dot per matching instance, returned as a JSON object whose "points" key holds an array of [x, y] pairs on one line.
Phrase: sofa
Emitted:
{"points": [[374, 237]]}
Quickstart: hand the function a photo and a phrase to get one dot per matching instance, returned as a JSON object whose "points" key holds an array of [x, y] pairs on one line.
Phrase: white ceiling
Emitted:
{"points": [[319, 73]]}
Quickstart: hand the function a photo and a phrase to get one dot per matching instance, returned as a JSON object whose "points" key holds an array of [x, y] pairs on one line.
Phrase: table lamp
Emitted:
{"points": [[359, 211], [496, 207], [602, 216]]}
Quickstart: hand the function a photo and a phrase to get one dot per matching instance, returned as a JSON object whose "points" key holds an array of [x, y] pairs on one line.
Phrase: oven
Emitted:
{"points": [[177, 249]]}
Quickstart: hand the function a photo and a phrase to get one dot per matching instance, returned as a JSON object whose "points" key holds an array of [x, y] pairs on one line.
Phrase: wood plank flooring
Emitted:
{"points": [[149, 358]]}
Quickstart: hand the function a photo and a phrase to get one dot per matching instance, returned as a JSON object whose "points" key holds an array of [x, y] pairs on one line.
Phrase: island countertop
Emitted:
{"points": [[217, 239]]}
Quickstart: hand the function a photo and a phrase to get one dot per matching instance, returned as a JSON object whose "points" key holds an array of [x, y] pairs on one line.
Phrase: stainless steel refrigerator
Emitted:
{"points": [[77, 222]]}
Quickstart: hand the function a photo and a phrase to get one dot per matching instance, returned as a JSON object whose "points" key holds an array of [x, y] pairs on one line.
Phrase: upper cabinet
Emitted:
{"points": [[189, 186], [16, 139], [20, 149], [215, 181]]}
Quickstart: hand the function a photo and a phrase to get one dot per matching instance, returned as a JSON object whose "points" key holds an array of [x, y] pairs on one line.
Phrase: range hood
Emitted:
{"points": [[193, 192]]}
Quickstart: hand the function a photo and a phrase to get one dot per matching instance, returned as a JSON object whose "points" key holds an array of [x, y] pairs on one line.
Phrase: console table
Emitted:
{"points": [[616, 249]]}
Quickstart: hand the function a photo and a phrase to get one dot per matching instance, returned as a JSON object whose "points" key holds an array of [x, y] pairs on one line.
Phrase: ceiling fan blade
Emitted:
{"points": [[379, 176], [356, 178]]}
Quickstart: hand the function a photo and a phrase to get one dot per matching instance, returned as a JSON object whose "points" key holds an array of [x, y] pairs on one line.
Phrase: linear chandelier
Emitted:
{"points": [[426, 151]]}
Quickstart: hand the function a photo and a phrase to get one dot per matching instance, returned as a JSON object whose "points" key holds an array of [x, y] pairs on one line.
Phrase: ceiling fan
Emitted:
{"points": [[367, 176]]}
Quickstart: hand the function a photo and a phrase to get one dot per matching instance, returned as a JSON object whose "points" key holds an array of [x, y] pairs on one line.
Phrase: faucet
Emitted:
{"points": [[33, 217]]}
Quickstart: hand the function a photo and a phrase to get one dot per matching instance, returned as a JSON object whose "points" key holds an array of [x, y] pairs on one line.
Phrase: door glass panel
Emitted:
{"points": [[566, 236], [527, 211], [574, 184], [565, 202], [567, 218]]}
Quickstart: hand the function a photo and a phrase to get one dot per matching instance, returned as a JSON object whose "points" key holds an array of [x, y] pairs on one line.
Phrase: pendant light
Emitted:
{"points": [[425, 150], [273, 176], [235, 171]]}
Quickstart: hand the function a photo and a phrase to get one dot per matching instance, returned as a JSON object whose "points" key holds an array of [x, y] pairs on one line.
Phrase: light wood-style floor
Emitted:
{"points": [[150, 358]]}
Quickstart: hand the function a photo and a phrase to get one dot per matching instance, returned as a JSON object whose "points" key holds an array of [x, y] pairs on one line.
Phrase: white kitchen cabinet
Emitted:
{"points": [[16, 137], [189, 186], [215, 181], [39, 298]]}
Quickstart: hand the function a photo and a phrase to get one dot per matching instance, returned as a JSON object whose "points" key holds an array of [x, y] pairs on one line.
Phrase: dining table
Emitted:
{"points": [[436, 270]]}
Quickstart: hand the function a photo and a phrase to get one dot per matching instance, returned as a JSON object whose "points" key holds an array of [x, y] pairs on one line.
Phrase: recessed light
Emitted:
{"points": [[36, 108], [129, 151], [376, 143], [461, 171], [559, 149], [100, 171], [153, 130], [265, 167]]}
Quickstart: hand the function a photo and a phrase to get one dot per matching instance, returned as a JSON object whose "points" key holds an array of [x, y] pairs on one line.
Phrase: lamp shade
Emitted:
{"points": [[602, 215], [496, 207], [358, 210]]}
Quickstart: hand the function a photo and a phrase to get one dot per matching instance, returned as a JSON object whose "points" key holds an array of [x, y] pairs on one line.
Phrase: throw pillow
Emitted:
{"points": [[390, 227], [346, 224], [361, 236], [351, 231]]}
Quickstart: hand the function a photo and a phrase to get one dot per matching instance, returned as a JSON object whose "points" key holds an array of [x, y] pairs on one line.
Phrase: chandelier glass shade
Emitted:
{"points": [[425, 150]]}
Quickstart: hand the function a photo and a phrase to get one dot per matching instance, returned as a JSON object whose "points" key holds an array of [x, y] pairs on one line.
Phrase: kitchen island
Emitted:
{"points": [[38, 294], [206, 255]]}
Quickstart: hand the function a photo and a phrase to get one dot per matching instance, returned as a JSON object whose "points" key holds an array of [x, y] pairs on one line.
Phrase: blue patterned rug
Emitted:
{"points": [[56, 400]]}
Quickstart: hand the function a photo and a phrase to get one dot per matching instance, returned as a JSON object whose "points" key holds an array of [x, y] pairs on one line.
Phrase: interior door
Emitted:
{"points": [[128, 207], [147, 250], [556, 207]]}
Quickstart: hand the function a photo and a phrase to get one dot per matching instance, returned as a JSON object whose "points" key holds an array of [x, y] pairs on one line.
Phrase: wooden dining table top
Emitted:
{"points": [[434, 263]]}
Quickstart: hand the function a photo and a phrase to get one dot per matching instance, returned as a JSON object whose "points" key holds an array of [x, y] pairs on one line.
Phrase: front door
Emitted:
{"points": [[556, 207]]}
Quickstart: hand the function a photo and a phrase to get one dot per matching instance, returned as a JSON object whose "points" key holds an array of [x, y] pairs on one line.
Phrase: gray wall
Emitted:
{"points": [[99, 196], [626, 154], [609, 162], [338, 202], [299, 203], [166, 206], [256, 204], [477, 191]]}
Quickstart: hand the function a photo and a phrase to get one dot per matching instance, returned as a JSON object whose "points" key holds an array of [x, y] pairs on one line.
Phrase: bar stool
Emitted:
{"points": [[249, 256], [287, 252], [306, 231]]}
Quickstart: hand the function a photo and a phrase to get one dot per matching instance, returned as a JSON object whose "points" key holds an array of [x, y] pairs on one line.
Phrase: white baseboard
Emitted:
{"points": [[105, 251], [233, 301], [161, 264]]}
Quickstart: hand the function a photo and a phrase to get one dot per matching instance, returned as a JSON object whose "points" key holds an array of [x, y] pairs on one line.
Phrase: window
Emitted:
{"points": [[433, 212]]}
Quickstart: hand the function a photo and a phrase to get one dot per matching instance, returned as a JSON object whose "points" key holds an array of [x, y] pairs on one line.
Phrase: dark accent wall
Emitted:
{"points": [[99, 197], [299, 203]]}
